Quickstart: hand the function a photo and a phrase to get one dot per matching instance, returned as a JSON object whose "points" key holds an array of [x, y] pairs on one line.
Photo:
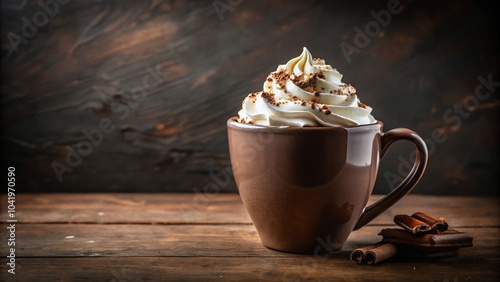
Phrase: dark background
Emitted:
{"points": [[85, 62]]}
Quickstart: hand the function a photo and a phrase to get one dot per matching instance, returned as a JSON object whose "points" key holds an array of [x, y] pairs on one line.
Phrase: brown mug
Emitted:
{"points": [[303, 186]]}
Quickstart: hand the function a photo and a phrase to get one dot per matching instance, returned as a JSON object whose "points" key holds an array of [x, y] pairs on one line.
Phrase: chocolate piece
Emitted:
{"points": [[447, 240], [411, 224], [408, 253], [438, 224]]}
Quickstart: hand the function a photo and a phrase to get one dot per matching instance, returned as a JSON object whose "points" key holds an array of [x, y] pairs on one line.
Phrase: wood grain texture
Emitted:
{"points": [[201, 208], [247, 269], [85, 64], [192, 248], [97, 240], [171, 208]]}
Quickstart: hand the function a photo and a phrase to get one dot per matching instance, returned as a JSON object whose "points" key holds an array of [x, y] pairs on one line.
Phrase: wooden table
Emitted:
{"points": [[163, 237]]}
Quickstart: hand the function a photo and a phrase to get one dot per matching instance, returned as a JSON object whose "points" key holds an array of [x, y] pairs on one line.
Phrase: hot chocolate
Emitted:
{"points": [[305, 154]]}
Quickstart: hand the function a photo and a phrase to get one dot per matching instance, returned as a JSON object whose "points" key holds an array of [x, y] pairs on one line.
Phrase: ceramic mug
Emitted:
{"points": [[304, 184]]}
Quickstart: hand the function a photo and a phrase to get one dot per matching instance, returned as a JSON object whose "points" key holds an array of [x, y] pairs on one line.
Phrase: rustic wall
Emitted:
{"points": [[153, 82]]}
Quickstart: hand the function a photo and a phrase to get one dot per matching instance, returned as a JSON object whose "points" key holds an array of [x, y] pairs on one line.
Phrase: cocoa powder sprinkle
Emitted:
{"points": [[305, 82], [270, 98], [281, 78]]}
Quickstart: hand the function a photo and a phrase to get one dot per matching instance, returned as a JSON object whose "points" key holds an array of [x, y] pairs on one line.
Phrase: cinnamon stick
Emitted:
{"points": [[373, 254], [358, 255], [436, 224], [380, 253], [411, 224]]}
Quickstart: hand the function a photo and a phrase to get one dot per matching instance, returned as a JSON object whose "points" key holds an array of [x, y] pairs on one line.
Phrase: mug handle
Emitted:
{"points": [[387, 139]]}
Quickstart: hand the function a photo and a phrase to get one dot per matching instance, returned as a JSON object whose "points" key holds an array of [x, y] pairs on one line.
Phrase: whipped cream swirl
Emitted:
{"points": [[305, 92]]}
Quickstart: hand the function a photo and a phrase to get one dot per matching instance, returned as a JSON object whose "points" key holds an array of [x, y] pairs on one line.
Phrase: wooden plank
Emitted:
{"points": [[185, 250], [245, 268], [129, 208], [90, 55], [94, 240], [220, 209]]}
